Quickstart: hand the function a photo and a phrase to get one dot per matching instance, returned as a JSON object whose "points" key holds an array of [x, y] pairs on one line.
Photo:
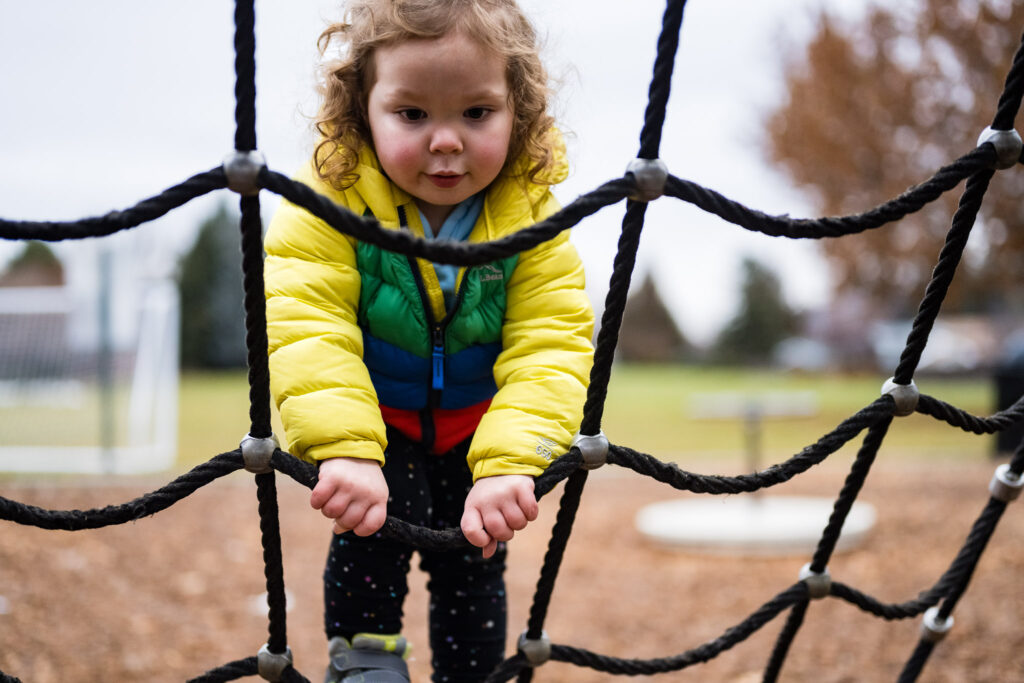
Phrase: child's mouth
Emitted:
{"points": [[445, 180]]}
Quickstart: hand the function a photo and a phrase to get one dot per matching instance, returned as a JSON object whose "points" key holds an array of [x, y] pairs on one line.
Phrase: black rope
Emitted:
{"points": [[976, 166], [625, 261], [1013, 88], [1000, 421], [782, 644], [567, 510], [147, 210], [963, 221], [144, 506], [917, 660], [611, 319], [228, 672], [949, 259], [671, 474], [460, 253], [829, 538], [732, 637], [270, 528], [981, 533], [446, 251], [636, 667], [913, 200], [255, 318], [600, 373], [245, 75], [424, 538], [848, 495], [959, 569], [661, 82], [242, 668]]}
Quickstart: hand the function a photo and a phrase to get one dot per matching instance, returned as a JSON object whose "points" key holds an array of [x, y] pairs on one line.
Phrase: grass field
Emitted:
{"points": [[663, 410]]}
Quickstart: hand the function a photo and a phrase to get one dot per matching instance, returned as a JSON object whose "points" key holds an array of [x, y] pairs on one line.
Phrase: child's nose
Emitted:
{"points": [[445, 140]]}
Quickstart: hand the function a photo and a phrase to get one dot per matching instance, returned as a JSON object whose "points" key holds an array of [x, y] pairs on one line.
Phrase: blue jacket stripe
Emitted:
{"points": [[402, 379]]}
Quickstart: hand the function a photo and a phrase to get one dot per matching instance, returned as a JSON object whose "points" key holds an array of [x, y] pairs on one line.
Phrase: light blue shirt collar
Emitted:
{"points": [[456, 228]]}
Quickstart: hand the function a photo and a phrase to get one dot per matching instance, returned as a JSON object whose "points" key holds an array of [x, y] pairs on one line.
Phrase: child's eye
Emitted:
{"points": [[476, 113], [413, 114]]}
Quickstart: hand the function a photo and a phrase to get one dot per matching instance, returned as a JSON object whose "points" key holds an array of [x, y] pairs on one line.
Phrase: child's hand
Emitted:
{"points": [[353, 493], [496, 508]]}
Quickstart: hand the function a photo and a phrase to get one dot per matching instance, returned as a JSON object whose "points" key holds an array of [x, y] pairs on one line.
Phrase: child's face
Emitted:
{"points": [[440, 119]]}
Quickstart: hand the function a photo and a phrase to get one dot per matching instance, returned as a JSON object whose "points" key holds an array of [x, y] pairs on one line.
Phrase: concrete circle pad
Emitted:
{"points": [[750, 524]]}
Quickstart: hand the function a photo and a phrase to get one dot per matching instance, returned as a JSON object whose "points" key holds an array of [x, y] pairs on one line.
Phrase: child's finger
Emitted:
{"points": [[372, 521], [490, 548], [514, 516], [473, 528], [527, 501], [496, 526], [321, 494], [337, 506], [353, 515]]}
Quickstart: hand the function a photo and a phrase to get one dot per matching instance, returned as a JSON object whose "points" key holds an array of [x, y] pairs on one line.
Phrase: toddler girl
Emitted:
{"points": [[429, 392]]}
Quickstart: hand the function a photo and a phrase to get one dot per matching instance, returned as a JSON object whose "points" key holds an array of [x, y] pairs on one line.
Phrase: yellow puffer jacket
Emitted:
{"points": [[322, 388]]}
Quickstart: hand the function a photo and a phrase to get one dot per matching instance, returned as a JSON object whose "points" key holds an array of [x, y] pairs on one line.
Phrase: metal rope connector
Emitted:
{"points": [[905, 395], [256, 453], [1006, 484], [536, 651], [1007, 143], [651, 176], [270, 665], [593, 448], [818, 585], [932, 629], [242, 170]]}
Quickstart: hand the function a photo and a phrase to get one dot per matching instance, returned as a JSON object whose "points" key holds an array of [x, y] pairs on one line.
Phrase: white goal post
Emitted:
{"points": [[73, 399]]}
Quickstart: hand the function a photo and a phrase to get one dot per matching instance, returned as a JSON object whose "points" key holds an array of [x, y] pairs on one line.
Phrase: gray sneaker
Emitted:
{"points": [[369, 659]]}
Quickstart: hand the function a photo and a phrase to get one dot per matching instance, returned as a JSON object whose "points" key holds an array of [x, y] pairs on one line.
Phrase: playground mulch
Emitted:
{"points": [[172, 596]]}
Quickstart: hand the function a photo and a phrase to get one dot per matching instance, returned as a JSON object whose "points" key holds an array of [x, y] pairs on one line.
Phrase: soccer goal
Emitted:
{"points": [[75, 398]]}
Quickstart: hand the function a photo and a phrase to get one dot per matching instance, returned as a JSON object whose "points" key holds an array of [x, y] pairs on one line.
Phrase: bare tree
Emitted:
{"points": [[878, 105]]}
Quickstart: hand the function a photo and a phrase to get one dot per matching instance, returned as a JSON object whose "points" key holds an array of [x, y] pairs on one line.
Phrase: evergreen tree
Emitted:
{"points": [[35, 265], [763, 320], [212, 299], [649, 334]]}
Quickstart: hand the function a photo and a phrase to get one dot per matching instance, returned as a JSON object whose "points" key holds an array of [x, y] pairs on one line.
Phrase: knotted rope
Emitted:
{"points": [[643, 183]]}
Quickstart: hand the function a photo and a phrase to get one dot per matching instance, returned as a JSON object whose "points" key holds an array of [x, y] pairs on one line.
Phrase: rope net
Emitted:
{"points": [[246, 174]]}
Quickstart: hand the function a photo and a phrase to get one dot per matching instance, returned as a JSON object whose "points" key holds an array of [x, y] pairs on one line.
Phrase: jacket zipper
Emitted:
{"points": [[437, 345], [437, 330]]}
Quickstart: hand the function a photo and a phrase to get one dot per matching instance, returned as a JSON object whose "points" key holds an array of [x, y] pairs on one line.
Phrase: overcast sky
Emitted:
{"points": [[105, 102]]}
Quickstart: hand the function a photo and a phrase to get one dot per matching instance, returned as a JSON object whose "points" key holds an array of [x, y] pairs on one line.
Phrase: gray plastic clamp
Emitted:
{"points": [[1007, 143], [818, 585], [270, 665], [242, 170], [536, 651], [256, 453], [932, 629], [593, 447], [651, 176], [1006, 484], [905, 395]]}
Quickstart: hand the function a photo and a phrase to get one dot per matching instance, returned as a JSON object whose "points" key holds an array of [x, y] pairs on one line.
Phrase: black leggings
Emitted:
{"points": [[365, 579]]}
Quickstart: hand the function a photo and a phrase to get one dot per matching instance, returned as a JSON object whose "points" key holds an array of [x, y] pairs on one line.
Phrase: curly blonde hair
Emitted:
{"points": [[499, 25]]}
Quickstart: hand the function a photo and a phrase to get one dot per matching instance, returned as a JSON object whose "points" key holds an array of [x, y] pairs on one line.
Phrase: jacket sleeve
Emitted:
{"points": [[317, 376], [544, 367]]}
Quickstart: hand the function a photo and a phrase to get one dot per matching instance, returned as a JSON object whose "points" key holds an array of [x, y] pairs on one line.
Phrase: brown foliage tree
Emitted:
{"points": [[878, 105]]}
